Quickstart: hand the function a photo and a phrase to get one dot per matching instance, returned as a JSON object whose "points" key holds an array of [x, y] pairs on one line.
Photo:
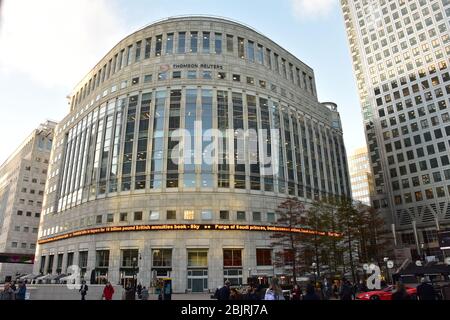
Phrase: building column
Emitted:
{"points": [[215, 265], [55, 262], [179, 270], [145, 268], [47, 261], [91, 262], [64, 262], [114, 264]]}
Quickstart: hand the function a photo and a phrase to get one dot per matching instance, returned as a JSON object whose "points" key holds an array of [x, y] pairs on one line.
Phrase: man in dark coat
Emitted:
{"points": [[425, 291], [224, 292]]}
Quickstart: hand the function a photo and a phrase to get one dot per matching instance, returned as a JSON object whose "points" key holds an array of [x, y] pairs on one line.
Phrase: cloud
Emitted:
{"points": [[312, 9], [57, 42]]}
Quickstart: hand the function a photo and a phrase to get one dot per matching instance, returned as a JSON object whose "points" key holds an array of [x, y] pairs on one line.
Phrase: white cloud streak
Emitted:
{"points": [[56, 42], [312, 9]]}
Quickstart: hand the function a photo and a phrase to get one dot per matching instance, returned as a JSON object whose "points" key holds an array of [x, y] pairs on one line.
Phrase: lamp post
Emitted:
{"points": [[134, 272], [314, 265]]}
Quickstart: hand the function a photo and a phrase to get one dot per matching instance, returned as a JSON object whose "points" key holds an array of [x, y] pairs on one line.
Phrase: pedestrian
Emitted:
{"points": [[311, 294], [7, 293], [144, 294], [362, 287], [336, 289], [296, 293], [425, 291], [108, 291], [139, 290], [21, 292], [129, 293], [224, 292], [346, 290], [251, 294], [83, 290], [235, 295], [274, 292], [13, 286], [401, 293]]}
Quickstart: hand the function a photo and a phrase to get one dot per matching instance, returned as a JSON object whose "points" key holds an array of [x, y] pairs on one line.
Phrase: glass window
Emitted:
{"points": [[109, 218], [263, 257], [148, 47], [206, 42], [148, 78], [176, 75], [102, 259], [154, 215], [171, 215], [224, 215], [232, 258], [207, 215], [189, 214], [241, 48], [241, 216], [221, 75], [192, 74], [260, 54], [138, 216], [181, 42], [194, 42], [169, 43], [129, 258], [236, 77], [251, 51], [230, 43], [162, 257], [158, 47], [197, 258], [207, 75], [270, 216], [218, 43], [256, 216], [123, 217], [99, 219]]}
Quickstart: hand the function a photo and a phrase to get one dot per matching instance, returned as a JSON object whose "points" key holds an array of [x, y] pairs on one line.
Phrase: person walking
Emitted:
{"points": [[21, 292], [7, 293], [130, 293], [425, 291], [144, 294], [401, 293], [311, 294], [274, 292], [139, 290], [108, 291], [224, 292], [346, 291], [83, 290], [296, 293]]}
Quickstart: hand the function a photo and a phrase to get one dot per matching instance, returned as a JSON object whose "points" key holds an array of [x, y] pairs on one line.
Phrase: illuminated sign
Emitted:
{"points": [[186, 227]]}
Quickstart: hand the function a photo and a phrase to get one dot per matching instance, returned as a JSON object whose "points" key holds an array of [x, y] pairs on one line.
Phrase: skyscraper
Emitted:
{"points": [[400, 52], [360, 175], [22, 184]]}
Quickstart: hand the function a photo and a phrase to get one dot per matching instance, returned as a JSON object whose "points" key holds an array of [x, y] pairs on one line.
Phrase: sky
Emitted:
{"points": [[48, 46]]}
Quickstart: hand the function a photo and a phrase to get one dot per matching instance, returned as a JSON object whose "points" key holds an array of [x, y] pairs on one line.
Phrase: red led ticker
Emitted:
{"points": [[186, 227]]}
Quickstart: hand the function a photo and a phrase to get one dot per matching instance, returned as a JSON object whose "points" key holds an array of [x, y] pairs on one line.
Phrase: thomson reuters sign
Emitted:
{"points": [[186, 227]]}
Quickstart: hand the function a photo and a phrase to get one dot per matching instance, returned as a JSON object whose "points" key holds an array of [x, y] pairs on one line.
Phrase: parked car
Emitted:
{"points": [[384, 294]]}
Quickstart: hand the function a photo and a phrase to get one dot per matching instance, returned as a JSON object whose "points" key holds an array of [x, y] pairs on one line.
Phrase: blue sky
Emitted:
{"points": [[48, 48]]}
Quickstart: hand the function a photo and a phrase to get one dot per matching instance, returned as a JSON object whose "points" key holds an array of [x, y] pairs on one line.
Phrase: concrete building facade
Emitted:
{"points": [[124, 202], [22, 184], [400, 52], [361, 178]]}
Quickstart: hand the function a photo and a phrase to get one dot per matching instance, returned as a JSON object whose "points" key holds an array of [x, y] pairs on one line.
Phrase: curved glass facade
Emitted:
{"points": [[190, 120]]}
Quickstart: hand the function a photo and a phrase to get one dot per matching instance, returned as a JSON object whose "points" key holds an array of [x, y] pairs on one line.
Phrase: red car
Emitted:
{"points": [[384, 294]]}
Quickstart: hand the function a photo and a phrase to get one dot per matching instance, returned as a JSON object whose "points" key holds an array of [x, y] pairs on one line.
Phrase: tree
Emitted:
{"points": [[347, 217], [290, 214]]}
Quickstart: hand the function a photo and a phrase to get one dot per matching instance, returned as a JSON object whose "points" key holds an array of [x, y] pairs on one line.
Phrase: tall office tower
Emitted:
{"points": [[22, 184], [400, 51], [360, 175]]}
